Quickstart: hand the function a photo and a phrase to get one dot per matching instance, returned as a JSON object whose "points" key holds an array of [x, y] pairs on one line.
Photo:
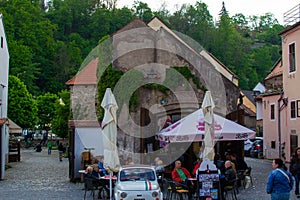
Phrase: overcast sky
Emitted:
{"points": [[247, 7]]}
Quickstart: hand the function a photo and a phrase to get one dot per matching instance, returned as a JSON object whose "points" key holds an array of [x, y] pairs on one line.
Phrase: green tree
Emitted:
{"points": [[22, 108], [232, 49], [59, 124], [242, 25], [120, 17], [142, 11], [196, 22], [31, 33], [270, 35], [46, 109], [263, 59]]}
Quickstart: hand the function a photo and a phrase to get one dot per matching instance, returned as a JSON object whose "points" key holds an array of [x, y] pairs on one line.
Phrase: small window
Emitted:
{"points": [[2, 42], [1, 93], [272, 111], [298, 108], [292, 58], [273, 144], [293, 109]]}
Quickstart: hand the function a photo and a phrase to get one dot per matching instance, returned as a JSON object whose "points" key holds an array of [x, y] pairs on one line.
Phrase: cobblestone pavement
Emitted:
{"points": [[260, 172], [42, 176], [39, 176]]}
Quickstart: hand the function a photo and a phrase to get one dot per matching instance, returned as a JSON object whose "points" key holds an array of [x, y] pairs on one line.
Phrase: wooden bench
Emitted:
{"points": [[14, 154]]}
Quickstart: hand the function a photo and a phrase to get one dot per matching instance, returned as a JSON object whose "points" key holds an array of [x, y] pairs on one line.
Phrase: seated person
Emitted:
{"points": [[230, 173], [240, 164], [197, 165], [180, 174], [90, 174], [38, 148], [228, 176], [101, 166], [220, 164], [100, 182], [159, 168]]}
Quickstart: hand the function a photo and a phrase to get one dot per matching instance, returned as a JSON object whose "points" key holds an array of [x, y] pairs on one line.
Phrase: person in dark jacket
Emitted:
{"points": [[230, 173], [280, 181], [91, 173], [99, 183], [60, 151], [295, 169], [38, 148]]}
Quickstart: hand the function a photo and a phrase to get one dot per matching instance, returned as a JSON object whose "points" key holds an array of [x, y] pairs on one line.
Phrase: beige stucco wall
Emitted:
{"points": [[270, 127], [291, 82]]}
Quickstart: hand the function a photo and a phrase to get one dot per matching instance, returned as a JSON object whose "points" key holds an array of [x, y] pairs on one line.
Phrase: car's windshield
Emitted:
{"points": [[134, 174]]}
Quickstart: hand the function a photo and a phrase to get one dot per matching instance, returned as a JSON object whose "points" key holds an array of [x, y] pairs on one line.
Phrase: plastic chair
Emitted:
{"points": [[176, 190]]}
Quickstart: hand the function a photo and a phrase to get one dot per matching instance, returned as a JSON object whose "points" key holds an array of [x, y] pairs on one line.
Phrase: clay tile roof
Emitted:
{"points": [[2, 121], [276, 71], [87, 76]]}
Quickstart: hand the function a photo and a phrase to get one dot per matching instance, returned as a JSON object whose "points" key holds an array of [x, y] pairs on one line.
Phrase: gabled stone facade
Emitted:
{"points": [[153, 51]]}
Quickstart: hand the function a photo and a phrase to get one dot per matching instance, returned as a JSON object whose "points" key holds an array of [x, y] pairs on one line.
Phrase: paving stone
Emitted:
{"points": [[43, 176]]}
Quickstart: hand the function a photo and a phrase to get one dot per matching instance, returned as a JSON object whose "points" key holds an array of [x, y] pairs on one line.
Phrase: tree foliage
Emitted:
{"points": [[47, 43], [46, 110], [22, 108], [59, 123]]}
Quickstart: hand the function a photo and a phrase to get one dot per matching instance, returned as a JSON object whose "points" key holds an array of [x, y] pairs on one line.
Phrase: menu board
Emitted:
{"points": [[208, 184]]}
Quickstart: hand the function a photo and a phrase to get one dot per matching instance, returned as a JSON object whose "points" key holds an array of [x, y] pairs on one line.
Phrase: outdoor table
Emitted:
{"points": [[114, 178], [106, 178], [82, 172]]}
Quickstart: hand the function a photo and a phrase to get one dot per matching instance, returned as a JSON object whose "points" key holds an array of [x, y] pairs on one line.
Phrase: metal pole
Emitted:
{"points": [[110, 185]]}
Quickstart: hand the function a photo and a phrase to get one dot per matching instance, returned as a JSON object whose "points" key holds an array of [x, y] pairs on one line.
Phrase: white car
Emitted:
{"points": [[248, 143], [137, 182], [247, 146]]}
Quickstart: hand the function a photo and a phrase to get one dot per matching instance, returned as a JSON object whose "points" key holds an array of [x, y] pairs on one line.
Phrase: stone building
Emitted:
{"points": [[149, 54]]}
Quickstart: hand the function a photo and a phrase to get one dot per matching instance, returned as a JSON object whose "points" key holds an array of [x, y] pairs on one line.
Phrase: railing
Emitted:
{"points": [[292, 16]]}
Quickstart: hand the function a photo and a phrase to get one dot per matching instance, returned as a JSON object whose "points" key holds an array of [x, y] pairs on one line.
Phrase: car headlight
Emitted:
{"points": [[154, 194], [123, 195]]}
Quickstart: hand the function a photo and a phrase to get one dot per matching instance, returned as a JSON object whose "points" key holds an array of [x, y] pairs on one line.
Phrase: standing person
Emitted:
{"points": [[45, 137], [280, 181], [60, 151], [49, 145], [295, 169]]}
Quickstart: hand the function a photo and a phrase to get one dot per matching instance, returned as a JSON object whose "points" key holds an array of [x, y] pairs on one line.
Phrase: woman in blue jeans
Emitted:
{"points": [[280, 181]]}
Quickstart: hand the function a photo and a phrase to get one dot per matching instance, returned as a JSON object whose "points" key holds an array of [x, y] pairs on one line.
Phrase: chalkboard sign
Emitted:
{"points": [[208, 185]]}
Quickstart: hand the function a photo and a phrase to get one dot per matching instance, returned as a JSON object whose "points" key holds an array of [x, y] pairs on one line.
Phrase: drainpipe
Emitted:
{"points": [[238, 107], [280, 108], [279, 126]]}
